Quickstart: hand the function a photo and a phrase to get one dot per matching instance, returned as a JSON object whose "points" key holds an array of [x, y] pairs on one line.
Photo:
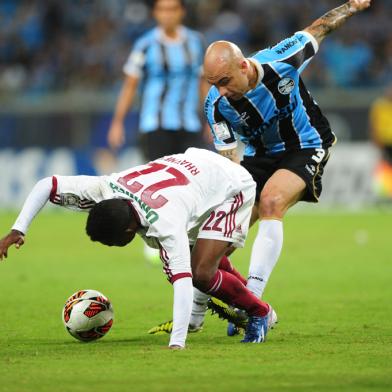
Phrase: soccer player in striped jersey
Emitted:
{"points": [[165, 63], [165, 67], [263, 101], [197, 198]]}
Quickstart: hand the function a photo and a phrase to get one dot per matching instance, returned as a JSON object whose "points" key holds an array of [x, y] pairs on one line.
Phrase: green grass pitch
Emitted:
{"points": [[332, 290]]}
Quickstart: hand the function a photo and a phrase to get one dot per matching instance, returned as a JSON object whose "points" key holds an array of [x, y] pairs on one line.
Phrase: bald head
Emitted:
{"points": [[221, 56], [226, 68]]}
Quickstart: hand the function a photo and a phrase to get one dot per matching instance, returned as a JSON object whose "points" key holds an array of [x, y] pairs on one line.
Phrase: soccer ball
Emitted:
{"points": [[87, 315]]}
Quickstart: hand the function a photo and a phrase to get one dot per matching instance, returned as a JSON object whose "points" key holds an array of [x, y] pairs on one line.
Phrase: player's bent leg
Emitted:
{"points": [[226, 265], [281, 191]]}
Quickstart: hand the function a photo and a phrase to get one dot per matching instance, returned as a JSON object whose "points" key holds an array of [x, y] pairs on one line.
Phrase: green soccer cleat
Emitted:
{"points": [[161, 329], [167, 327], [226, 312], [238, 319]]}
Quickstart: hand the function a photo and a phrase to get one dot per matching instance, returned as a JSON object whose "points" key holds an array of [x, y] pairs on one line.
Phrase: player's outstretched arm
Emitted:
{"points": [[36, 199], [13, 237], [333, 19]]}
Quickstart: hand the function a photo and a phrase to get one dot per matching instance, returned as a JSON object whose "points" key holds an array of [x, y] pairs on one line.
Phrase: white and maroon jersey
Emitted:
{"points": [[179, 198]]}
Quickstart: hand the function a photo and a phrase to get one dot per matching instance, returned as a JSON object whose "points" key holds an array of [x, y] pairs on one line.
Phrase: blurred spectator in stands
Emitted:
{"points": [[55, 45], [381, 133]]}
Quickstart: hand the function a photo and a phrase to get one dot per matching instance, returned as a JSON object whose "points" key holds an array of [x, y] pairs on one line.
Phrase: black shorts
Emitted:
{"points": [[159, 143], [308, 164]]}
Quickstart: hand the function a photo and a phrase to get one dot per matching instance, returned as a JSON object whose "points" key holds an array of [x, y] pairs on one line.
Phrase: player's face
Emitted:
{"points": [[168, 13], [231, 80], [125, 238]]}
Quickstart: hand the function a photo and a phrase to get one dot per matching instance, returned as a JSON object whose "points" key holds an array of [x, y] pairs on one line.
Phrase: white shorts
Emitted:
{"points": [[230, 221]]}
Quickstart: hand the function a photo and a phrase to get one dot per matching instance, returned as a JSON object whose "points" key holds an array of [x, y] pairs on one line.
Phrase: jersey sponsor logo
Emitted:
{"points": [[151, 215], [286, 46], [222, 131], [278, 115], [286, 86]]}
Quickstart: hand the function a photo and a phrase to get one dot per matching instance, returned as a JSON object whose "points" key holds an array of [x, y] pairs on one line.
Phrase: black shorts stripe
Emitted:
{"points": [[165, 87], [297, 59], [287, 131], [316, 117]]}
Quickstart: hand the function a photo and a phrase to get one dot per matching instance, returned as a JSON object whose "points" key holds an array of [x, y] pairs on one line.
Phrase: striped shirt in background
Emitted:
{"points": [[169, 71]]}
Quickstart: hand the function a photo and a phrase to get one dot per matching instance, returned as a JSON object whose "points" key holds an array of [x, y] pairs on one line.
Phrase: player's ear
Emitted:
{"points": [[244, 65]]}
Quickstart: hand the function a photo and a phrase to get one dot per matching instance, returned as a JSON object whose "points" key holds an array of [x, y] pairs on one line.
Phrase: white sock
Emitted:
{"points": [[265, 253], [199, 307]]}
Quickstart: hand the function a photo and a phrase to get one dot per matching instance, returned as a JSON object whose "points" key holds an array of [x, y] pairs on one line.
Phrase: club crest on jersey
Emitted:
{"points": [[286, 86], [69, 199]]}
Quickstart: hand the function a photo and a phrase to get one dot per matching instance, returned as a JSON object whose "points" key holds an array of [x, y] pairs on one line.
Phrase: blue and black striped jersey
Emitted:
{"points": [[279, 114], [169, 72]]}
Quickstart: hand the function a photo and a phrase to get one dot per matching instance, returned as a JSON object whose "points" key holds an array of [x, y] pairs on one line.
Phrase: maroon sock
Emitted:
{"points": [[226, 265], [231, 290]]}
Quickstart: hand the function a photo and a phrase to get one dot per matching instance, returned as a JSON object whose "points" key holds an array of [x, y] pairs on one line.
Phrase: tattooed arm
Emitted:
{"points": [[333, 19]]}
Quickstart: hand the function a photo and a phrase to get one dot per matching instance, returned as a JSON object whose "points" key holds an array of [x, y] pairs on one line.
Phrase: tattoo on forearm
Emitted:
{"points": [[230, 154], [330, 21]]}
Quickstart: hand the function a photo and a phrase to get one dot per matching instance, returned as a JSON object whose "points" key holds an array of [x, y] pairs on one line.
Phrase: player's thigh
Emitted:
{"points": [[309, 165], [284, 187], [206, 255]]}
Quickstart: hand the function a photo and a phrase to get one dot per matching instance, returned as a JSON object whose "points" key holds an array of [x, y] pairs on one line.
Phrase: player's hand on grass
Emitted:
{"points": [[13, 237], [176, 347], [359, 5]]}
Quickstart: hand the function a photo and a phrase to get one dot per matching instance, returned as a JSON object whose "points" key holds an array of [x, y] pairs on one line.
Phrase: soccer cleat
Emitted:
{"points": [[235, 316], [272, 318], [226, 312], [256, 330], [167, 327], [161, 329], [233, 330], [192, 328]]}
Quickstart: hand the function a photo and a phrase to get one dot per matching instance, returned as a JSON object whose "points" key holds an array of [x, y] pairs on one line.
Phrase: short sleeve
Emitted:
{"points": [[296, 50], [136, 60], [222, 132]]}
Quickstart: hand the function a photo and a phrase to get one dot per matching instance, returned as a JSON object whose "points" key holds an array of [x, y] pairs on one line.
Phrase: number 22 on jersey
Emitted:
{"points": [[150, 195]]}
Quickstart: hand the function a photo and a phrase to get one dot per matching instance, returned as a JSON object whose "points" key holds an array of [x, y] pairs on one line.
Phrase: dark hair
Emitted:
{"points": [[154, 2], [108, 221]]}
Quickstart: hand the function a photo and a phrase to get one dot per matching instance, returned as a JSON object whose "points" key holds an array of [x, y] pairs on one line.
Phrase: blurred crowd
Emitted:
{"points": [[51, 45]]}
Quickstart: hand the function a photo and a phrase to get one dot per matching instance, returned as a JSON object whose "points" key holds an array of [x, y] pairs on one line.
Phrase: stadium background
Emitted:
{"points": [[60, 73], [61, 70]]}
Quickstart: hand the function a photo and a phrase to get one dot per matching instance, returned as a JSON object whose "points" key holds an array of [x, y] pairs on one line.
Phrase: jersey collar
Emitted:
{"points": [[166, 40], [260, 71]]}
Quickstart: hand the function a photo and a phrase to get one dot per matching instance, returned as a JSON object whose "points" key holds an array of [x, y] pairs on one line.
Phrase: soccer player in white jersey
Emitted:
{"points": [[263, 101], [197, 198]]}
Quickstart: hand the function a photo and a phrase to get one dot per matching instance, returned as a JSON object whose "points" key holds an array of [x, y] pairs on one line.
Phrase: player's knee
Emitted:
{"points": [[202, 279], [272, 204]]}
